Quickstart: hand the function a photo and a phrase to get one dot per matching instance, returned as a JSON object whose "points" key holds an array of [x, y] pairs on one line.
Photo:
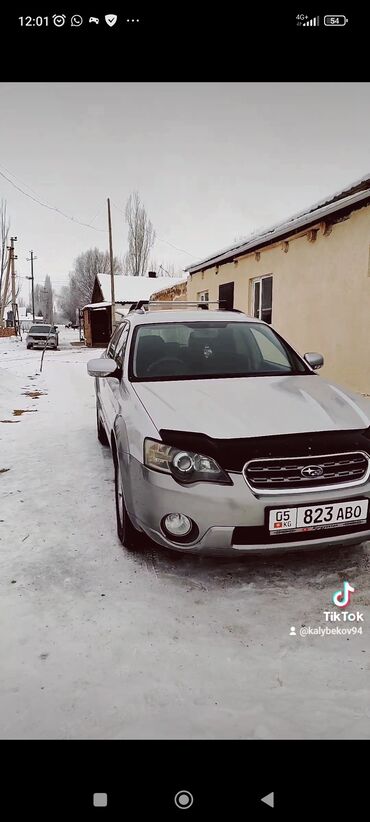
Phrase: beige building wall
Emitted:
{"points": [[320, 298]]}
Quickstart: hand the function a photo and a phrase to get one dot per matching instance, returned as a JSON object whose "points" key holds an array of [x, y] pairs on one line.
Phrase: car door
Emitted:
{"points": [[103, 389], [112, 389]]}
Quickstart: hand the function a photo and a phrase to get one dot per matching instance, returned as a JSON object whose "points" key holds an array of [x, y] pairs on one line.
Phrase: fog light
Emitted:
{"points": [[178, 524]]}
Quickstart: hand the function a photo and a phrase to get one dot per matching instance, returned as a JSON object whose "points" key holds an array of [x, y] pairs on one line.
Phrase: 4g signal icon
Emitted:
{"points": [[304, 20]]}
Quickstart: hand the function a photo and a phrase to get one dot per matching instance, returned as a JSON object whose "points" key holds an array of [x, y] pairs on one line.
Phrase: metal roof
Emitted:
{"points": [[356, 193]]}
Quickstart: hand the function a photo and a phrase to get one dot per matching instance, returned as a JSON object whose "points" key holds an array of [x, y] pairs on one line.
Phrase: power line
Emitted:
{"points": [[96, 215], [79, 222], [196, 257], [183, 250], [50, 207], [19, 180]]}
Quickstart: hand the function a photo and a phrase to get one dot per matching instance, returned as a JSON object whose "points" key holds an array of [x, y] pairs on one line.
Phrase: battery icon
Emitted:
{"points": [[335, 20]]}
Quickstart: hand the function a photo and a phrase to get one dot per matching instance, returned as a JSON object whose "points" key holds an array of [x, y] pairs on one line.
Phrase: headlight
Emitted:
{"points": [[185, 466]]}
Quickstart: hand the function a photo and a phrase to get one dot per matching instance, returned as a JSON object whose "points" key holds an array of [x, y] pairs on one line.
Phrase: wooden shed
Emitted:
{"points": [[97, 324], [97, 315]]}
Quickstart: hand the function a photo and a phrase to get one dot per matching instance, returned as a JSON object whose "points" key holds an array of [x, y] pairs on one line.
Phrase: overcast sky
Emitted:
{"points": [[210, 161]]}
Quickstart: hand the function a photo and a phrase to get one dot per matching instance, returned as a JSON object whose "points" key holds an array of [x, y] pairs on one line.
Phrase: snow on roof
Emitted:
{"points": [[352, 194], [132, 289], [96, 305]]}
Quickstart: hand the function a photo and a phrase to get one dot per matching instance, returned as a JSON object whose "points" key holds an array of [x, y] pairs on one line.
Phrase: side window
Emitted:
{"points": [[262, 299], [113, 342], [121, 346]]}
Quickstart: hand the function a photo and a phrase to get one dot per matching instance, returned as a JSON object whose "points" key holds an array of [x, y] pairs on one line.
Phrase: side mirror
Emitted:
{"points": [[315, 361], [103, 367]]}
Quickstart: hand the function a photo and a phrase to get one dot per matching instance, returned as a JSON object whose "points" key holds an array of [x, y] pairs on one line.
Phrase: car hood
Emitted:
{"points": [[253, 406]]}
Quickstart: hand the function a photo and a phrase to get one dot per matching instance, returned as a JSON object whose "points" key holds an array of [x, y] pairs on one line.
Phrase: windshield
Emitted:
{"points": [[40, 329], [210, 349]]}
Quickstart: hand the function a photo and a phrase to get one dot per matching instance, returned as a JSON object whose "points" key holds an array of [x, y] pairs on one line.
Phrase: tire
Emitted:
{"points": [[29, 346], [102, 437], [127, 533]]}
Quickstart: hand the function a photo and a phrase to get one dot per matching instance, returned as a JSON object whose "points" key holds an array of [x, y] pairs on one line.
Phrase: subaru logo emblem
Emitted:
{"points": [[312, 471]]}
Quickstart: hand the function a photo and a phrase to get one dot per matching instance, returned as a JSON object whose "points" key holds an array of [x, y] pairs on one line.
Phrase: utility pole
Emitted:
{"points": [[14, 307], [30, 260], [6, 284], [16, 323], [111, 265]]}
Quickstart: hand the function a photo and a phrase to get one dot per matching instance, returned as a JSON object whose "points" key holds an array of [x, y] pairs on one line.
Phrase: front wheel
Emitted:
{"points": [[102, 437], [29, 346], [127, 533]]}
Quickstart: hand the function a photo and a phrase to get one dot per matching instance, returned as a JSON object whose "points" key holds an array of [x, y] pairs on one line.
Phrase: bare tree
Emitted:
{"points": [[86, 267], [163, 269], [166, 270], [8, 301], [141, 236], [39, 300], [47, 312], [79, 290], [67, 302]]}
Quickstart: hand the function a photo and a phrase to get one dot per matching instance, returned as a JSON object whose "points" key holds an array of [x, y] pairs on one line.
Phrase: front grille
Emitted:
{"points": [[307, 473]]}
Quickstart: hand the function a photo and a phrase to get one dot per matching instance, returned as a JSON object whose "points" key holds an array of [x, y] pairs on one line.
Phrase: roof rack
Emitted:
{"points": [[145, 305]]}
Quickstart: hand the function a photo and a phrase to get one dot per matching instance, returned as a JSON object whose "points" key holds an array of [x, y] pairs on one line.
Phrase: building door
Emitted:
{"points": [[262, 299], [226, 296], [100, 319]]}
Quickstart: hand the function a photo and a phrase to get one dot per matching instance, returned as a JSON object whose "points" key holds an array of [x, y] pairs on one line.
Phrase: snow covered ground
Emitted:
{"points": [[96, 642]]}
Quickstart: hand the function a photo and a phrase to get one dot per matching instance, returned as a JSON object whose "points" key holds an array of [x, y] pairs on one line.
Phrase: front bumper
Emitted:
{"points": [[52, 343], [219, 509]]}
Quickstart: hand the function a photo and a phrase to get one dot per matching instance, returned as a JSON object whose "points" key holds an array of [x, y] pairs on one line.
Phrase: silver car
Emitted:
{"points": [[38, 335], [225, 440]]}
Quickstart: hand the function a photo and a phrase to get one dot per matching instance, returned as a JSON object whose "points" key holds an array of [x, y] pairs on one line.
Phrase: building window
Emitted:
{"points": [[262, 298], [202, 296]]}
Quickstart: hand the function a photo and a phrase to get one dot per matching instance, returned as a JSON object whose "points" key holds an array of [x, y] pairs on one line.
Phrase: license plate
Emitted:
{"points": [[318, 517]]}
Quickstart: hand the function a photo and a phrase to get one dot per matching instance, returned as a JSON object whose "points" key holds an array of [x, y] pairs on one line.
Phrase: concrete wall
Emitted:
{"points": [[321, 294]]}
